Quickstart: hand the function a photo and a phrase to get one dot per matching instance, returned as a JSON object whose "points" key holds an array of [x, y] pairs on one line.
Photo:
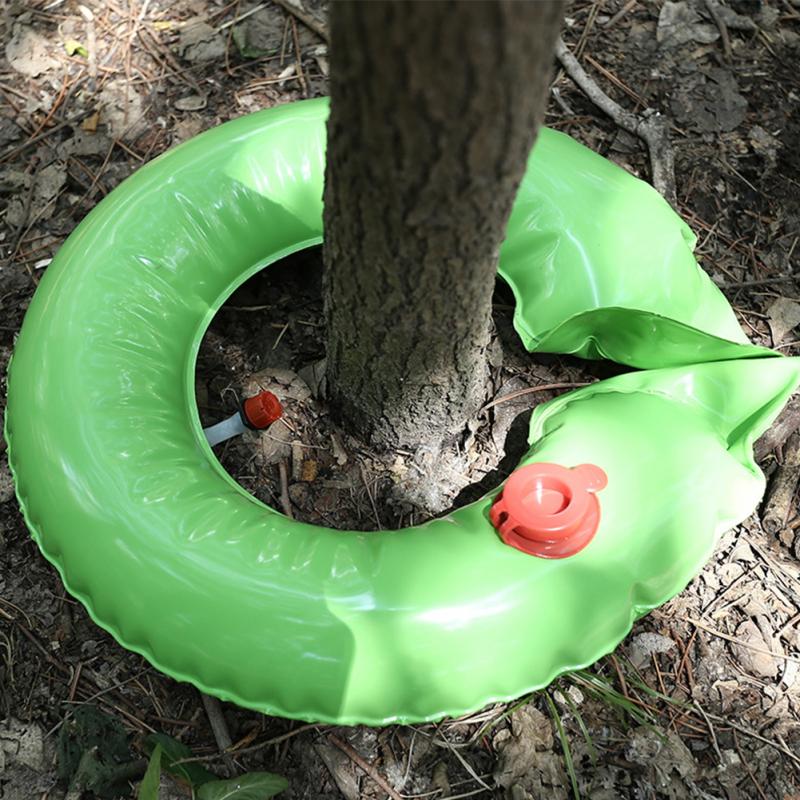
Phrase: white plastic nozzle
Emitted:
{"points": [[226, 429]]}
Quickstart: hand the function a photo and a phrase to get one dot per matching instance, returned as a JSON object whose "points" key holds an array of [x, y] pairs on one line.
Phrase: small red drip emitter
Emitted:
{"points": [[549, 511], [261, 410], [255, 413]]}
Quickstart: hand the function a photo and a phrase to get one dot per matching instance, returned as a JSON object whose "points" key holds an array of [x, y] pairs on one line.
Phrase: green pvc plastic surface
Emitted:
{"points": [[179, 563]]}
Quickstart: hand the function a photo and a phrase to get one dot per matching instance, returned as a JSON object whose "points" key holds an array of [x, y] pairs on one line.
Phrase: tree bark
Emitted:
{"points": [[434, 109]]}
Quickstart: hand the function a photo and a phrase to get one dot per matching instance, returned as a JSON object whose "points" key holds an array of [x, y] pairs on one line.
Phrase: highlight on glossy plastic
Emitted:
{"points": [[124, 496]]}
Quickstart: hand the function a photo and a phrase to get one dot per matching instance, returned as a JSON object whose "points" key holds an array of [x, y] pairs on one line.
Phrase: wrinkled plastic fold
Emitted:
{"points": [[123, 495]]}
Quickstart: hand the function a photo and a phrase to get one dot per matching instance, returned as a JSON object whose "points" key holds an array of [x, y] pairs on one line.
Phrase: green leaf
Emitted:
{"points": [[92, 747], [72, 47], [148, 788], [252, 786], [172, 751]]}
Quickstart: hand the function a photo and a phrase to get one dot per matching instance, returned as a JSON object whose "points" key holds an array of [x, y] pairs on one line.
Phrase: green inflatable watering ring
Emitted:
{"points": [[123, 495]]}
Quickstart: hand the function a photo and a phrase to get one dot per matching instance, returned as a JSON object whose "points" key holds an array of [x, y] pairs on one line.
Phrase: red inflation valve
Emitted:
{"points": [[261, 410], [549, 511]]}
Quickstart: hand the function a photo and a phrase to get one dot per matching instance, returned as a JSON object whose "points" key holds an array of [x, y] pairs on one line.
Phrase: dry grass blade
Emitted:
{"points": [[565, 748], [464, 763]]}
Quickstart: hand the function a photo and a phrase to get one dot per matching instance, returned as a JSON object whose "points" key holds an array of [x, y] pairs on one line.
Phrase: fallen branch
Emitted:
{"points": [[781, 492], [785, 425], [651, 127]]}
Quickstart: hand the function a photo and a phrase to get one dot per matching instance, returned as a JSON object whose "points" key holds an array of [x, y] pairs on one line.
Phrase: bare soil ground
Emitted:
{"points": [[703, 698]]}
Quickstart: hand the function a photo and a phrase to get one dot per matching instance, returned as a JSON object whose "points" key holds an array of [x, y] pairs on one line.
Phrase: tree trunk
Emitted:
{"points": [[434, 109]]}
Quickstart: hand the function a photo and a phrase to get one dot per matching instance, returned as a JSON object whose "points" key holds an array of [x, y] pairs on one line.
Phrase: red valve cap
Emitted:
{"points": [[549, 511], [262, 410]]}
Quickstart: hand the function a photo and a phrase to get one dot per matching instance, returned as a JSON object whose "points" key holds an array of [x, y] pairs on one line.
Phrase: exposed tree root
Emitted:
{"points": [[651, 127]]}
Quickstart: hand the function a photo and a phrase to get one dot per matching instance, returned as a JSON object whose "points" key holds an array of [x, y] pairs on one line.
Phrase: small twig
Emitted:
{"points": [[236, 20], [651, 127], [54, 107], [545, 387], [587, 28], [280, 335], [134, 27], [219, 727], [369, 495], [763, 650], [151, 43], [285, 422], [250, 748], [711, 730], [368, 769], [298, 59], [788, 578], [73, 685], [307, 19], [713, 9], [623, 685], [609, 75], [91, 45], [15, 151], [761, 282], [286, 503], [565, 106], [747, 767], [409, 760], [753, 735], [719, 596], [620, 14]]}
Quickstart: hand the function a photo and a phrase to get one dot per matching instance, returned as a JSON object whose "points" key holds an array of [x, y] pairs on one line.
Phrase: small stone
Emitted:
{"points": [[200, 42], [23, 743], [193, 102], [644, 645]]}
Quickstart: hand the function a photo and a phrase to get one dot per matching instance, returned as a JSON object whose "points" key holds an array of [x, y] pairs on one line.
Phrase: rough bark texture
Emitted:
{"points": [[435, 107]]}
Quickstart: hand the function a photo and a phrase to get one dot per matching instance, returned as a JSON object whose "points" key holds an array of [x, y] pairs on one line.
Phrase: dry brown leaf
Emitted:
{"points": [[782, 316], [752, 661]]}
